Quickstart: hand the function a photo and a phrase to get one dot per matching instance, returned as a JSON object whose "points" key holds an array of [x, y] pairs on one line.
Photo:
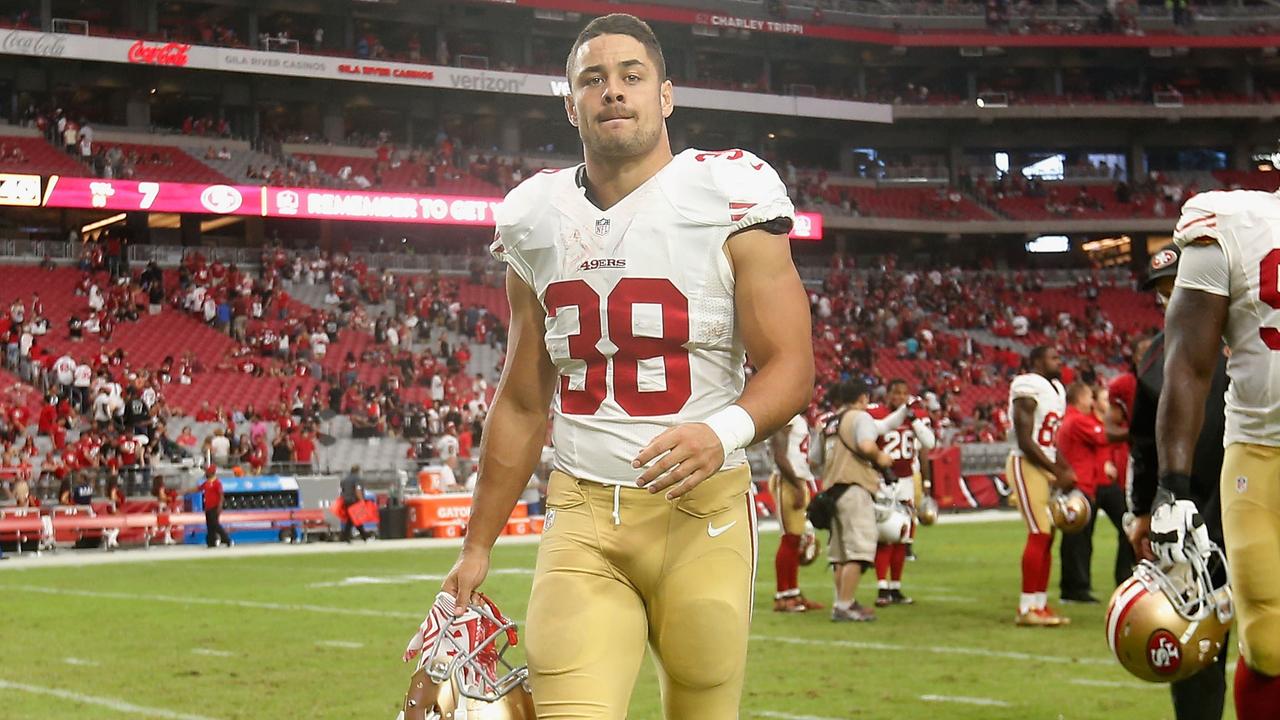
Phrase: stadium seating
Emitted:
{"points": [[165, 162], [1249, 179], [38, 157]]}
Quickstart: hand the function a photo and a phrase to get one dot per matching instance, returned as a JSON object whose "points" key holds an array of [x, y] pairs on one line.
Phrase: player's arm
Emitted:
{"points": [[1194, 324], [772, 314], [513, 435], [778, 444], [1024, 420], [892, 421]]}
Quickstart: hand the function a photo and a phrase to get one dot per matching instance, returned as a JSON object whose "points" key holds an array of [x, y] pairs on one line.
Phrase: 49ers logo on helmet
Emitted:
{"points": [[1163, 259], [1164, 653]]}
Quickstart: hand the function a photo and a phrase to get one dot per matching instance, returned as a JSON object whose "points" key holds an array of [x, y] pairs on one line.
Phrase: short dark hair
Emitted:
{"points": [[848, 392], [619, 24], [894, 383], [1037, 354]]}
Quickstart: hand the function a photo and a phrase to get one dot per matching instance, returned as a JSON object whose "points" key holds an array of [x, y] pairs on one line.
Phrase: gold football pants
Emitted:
{"points": [[619, 569], [1250, 496]]}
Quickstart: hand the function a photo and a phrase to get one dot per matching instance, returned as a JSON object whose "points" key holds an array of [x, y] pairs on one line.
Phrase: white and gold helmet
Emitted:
{"points": [[1167, 626]]}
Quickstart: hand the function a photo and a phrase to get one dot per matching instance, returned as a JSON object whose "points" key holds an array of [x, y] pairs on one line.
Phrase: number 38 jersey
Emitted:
{"points": [[1051, 405], [639, 299], [1231, 247]]}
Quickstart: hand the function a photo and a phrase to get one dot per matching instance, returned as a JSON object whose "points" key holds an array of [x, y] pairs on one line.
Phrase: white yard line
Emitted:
{"points": [[120, 706], [407, 579], [80, 662], [985, 702], [249, 604], [208, 652], [341, 644], [937, 650]]}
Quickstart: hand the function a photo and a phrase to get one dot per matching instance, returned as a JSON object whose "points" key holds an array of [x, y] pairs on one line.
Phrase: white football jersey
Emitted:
{"points": [[638, 298], [798, 447], [1246, 225], [1051, 405]]}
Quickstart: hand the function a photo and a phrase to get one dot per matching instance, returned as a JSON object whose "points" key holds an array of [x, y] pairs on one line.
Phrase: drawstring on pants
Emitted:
{"points": [[617, 491]]}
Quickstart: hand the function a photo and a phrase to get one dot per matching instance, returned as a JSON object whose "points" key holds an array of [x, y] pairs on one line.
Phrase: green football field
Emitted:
{"points": [[319, 635]]}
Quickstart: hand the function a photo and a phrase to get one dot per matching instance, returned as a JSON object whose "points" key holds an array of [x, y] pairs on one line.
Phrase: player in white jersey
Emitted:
{"points": [[791, 485], [638, 282], [1228, 287], [1037, 402]]}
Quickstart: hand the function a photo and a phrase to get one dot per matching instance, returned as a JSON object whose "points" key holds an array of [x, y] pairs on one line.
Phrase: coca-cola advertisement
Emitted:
{"points": [[172, 54]]}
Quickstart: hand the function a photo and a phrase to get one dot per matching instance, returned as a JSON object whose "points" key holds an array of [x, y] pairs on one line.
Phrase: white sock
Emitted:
{"points": [[1026, 603], [1042, 599], [843, 606], [882, 584], [895, 584]]}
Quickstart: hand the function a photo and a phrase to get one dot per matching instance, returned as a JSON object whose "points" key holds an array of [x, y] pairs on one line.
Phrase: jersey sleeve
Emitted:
{"points": [[1199, 220], [1204, 268], [515, 218], [1024, 386], [751, 189]]}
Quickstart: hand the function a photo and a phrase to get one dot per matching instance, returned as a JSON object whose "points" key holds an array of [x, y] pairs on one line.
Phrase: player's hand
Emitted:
{"points": [[1064, 479], [465, 578], [1178, 533], [1139, 532], [686, 455]]}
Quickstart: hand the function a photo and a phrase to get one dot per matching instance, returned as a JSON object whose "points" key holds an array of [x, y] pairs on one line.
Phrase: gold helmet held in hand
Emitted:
{"points": [[1070, 511]]}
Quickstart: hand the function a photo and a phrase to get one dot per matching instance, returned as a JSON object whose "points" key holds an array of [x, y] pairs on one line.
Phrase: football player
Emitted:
{"points": [[791, 486], [909, 433], [1037, 402], [1201, 696], [638, 283], [1227, 288]]}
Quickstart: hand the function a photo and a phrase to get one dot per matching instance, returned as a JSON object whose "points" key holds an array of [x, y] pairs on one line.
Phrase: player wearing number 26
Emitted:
{"points": [[1228, 287], [639, 282]]}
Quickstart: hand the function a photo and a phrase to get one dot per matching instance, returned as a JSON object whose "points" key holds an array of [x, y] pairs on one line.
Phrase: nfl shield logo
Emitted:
{"points": [[602, 226]]}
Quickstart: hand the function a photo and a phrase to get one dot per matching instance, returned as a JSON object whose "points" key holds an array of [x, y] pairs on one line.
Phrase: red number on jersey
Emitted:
{"points": [[1269, 293], [726, 154], [577, 293], [632, 348], [1048, 430]]}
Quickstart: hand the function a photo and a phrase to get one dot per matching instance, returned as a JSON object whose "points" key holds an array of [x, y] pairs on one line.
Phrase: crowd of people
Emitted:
{"points": [[922, 316]]}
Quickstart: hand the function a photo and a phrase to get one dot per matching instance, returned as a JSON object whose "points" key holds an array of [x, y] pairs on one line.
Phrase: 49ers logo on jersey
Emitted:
{"points": [[1164, 654]]}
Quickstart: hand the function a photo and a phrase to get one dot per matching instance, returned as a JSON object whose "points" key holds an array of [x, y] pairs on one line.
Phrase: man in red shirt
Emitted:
{"points": [[304, 448], [212, 488], [1084, 444]]}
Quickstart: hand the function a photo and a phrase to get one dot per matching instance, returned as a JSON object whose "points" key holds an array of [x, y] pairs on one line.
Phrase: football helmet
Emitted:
{"points": [[1070, 510], [1167, 626], [809, 547], [462, 671], [927, 512], [893, 522]]}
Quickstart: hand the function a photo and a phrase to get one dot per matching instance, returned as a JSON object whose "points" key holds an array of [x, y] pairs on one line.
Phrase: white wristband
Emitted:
{"points": [[734, 426]]}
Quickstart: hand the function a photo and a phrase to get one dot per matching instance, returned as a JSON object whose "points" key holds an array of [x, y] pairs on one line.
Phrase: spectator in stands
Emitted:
{"points": [[352, 493], [212, 490], [187, 439], [220, 447]]}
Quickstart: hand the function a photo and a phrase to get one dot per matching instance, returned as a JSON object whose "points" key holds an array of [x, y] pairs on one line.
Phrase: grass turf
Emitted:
{"points": [[285, 637]]}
